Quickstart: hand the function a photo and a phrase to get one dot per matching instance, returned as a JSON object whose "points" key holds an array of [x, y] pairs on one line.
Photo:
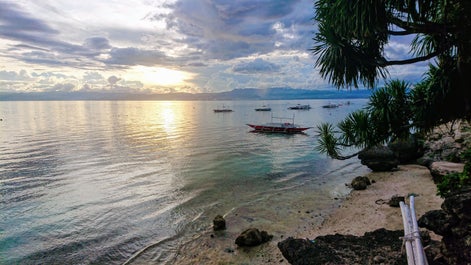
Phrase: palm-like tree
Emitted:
{"points": [[387, 117], [352, 36]]}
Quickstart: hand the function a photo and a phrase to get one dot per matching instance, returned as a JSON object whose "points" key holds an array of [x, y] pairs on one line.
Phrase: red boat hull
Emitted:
{"points": [[274, 129]]}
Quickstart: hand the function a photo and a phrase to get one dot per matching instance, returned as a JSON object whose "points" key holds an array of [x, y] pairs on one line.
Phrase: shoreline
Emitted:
{"points": [[367, 210], [359, 212]]}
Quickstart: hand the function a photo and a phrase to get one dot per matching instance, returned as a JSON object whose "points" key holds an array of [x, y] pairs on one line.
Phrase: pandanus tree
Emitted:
{"points": [[350, 45], [386, 117]]}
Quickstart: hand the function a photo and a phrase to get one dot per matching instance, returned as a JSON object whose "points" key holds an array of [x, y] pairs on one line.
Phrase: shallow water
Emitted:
{"points": [[86, 182]]}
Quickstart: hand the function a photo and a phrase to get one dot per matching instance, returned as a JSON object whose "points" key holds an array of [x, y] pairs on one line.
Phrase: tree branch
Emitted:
{"points": [[425, 27], [409, 61], [399, 33], [339, 157]]}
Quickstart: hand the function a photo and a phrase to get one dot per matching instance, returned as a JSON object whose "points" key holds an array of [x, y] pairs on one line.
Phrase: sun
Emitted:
{"points": [[160, 76]]}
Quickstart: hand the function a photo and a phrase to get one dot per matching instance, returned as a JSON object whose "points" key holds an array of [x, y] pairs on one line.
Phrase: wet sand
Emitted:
{"points": [[359, 212]]}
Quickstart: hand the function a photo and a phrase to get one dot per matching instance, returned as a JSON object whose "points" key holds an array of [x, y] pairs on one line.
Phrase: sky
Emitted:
{"points": [[160, 46]]}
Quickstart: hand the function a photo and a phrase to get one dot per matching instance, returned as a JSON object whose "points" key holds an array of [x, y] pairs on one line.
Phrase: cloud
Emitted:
{"points": [[14, 76], [16, 22], [256, 66], [135, 56], [66, 87], [113, 80], [226, 30], [97, 43], [221, 44]]}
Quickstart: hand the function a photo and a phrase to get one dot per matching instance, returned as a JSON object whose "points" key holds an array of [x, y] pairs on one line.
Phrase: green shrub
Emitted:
{"points": [[454, 182]]}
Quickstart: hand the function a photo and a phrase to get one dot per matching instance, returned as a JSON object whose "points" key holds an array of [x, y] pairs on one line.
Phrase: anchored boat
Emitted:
{"points": [[301, 107], [283, 126]]}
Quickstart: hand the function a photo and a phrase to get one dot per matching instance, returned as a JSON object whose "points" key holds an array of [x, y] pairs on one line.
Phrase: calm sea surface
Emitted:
{"points": [[94, 182]]}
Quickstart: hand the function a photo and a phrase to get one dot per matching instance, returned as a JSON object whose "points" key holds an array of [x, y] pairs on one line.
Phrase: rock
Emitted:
{"points": [[381, 245], [444, 144], [459, 205], [395, 200], [252, 237], [379, 158], [406, 150], [360, 183], [219, 223], [437, 221], [453, 223], [439, 169]]}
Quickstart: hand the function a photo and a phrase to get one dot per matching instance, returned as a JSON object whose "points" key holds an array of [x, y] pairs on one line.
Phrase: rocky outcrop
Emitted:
{"points": [[442, 168], [406, 150], [379, 158], [453, 223], [252, 237], [378, 247], [447, 142]]}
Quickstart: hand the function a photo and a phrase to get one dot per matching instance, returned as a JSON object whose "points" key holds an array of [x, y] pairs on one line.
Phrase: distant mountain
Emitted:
{"points": [[236, 94]]}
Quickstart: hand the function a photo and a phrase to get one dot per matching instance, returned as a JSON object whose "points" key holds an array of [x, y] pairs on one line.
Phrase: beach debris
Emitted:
{"points": [[395, 201], [379, 158], [252, 237], [229, 250], [360, 183], [219, 223]]}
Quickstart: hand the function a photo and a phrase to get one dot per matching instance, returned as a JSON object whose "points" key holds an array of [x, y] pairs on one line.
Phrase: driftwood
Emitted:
{"points": [[414, 249]]}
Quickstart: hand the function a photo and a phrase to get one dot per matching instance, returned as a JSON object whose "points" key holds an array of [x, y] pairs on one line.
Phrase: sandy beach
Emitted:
{"points": [[359, 212]]}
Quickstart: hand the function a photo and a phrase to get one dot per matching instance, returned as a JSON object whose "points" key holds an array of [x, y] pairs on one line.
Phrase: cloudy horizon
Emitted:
{"points": [[145, 46]]}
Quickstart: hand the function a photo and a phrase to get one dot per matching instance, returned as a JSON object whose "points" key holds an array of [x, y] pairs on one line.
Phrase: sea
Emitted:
{"points": [[99, 182]]}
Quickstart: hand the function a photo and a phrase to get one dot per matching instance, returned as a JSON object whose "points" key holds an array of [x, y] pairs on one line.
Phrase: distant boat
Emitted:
{"points": [[301, 107], [263, 108], [279, 127], [331, 106], [223, 109]]}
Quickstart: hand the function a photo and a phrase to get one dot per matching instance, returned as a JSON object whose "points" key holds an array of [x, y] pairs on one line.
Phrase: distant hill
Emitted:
{"points": [[236, 94]]}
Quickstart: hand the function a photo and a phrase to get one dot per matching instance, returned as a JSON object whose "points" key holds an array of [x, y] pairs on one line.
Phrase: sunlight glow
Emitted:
{"points": [[159, 76]]}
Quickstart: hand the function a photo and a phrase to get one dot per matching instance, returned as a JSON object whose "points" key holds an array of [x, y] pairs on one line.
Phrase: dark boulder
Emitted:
{"points": [[406, 150], [379, 158], [453, 223], [380, 246], [252, 237], [437, 221], [360, 183], [219, 223], [459, 205]]}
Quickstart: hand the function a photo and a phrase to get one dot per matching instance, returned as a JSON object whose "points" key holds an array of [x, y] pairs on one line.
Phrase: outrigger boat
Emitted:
{"points": [[263, 108], [223, 109], [301, 107], [279, 127]]}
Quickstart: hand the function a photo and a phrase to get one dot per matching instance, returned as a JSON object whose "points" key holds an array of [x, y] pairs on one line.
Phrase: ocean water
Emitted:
{"points": [[95, 182]]}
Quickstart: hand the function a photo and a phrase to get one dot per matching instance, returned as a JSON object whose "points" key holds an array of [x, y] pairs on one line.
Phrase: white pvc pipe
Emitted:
{"points": [[420, 257], [407, 242]]}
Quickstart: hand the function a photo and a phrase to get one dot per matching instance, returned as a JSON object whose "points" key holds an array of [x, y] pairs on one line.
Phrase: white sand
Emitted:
{"points": [[362, 211]]}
